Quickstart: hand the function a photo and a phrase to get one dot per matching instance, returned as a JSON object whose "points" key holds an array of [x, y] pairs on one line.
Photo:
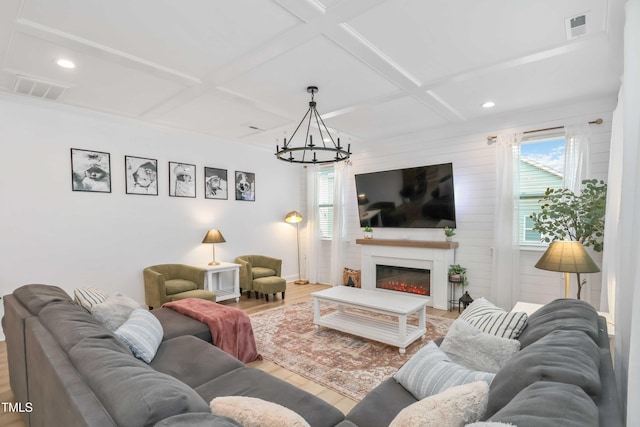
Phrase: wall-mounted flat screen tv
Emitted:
{"points": [[419, 197]]}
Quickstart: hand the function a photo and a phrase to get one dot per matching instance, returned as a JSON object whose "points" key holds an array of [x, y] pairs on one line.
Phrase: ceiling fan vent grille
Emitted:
{"points": [[38, 88]]}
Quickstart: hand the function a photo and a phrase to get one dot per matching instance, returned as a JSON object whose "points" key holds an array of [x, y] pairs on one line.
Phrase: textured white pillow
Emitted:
{"points": [[490, 424], [493, 320], [142, 333], [114, 311], [430, 371], [254, 412], [470, 347], [89, 296], [453, 407]]}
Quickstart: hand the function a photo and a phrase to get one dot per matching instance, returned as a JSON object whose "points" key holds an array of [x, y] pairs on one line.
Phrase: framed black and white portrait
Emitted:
{"points": [[90, 171], [245, 186], [141, 175], [182, 182], [215, 184]]}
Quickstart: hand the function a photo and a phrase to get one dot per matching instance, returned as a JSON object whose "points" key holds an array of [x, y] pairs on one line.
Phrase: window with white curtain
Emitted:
{"points": [[541, 167], [325, 202]]}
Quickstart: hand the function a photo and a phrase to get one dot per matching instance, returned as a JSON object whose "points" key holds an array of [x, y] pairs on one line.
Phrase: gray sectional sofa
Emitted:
{"points": [[75, 372], [562, 376]]}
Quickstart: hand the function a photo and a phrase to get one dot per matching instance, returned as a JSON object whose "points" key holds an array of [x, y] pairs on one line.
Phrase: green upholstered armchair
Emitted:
{"points": [[254, 267], [171, 282]]}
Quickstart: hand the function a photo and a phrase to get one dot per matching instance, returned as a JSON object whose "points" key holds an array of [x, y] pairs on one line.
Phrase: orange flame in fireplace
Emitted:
{"points": [[403, 287]]}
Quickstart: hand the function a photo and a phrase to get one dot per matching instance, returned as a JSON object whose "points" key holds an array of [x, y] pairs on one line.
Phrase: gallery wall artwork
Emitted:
{"points": [[90, 171], [141, 175], [182, 182], [245, 186], [215, 184]]}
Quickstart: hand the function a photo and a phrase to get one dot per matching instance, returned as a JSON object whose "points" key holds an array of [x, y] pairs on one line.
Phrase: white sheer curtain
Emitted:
{"points": [[576, 157], [612, 216], [313, 227], [627, 246], [339, 242], [506, 252]]}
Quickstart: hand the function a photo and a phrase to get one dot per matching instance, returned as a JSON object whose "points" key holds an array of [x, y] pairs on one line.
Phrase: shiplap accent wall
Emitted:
{"points": [[474, 168]]}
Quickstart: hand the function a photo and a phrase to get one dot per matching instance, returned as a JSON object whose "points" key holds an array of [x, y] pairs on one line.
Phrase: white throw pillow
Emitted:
{"points": [[470, 347], [493, 320], [114, 311], [254, 412], [453, 407], [89, 296], [430, 371], [490, 424], [142, 333]]}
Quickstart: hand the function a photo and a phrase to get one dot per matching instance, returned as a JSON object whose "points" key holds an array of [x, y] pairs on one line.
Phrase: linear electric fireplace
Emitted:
{"points": [[403, 279]]}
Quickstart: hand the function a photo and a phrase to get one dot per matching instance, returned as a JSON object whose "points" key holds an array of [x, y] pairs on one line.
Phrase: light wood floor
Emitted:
{"points": [[294, 293]]}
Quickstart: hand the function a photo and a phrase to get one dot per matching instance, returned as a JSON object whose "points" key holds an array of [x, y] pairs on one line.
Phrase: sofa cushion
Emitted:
{"points": [[431, 371], [455, 406], [89, 296], [247, 381], [470, 347], [69, 324], [206, 361], [491, 319], [197, 419], [550, 404], [176, 286], [562, 356], [561, 314], [114, 311], [175, 325], [131, 391], [142, 333], [377, 408], [254, 412], [36, 297]]}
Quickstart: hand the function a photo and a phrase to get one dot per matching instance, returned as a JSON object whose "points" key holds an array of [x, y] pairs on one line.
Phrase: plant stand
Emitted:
{"points": [[453, 301]]}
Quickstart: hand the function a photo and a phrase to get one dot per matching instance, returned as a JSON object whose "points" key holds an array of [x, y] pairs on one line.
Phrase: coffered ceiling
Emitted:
{"points": [[239, 69]]}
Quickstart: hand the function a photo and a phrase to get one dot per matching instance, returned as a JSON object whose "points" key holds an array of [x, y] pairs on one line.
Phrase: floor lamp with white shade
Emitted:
{"points": [[294, 217]]}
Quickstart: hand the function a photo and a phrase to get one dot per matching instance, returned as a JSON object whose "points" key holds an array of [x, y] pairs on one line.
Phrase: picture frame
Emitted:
{"points": [[245, 186], [182, 182], [215, 184], [90, 171], [141, 175]]}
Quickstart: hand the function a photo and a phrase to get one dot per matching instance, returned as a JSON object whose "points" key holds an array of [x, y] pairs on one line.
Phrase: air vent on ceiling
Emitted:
{"points": [[576, 26], [38, 88]]}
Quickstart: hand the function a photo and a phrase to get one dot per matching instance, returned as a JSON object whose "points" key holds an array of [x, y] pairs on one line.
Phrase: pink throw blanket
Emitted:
{"points": [[230, 327]]}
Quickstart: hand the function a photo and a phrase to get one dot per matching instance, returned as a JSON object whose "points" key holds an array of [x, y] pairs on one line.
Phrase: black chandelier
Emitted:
{"points": [[325, 153]]}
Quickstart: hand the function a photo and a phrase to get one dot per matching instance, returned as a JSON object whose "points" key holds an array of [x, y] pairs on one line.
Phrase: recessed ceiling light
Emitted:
{"points": [[65, 63], [488, 104]]}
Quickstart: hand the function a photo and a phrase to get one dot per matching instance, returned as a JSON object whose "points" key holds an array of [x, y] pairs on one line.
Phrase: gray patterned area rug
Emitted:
{"points": [[348, 364]]}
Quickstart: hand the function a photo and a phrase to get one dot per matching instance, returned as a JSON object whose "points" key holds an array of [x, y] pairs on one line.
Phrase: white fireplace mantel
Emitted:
{"points": [[432, 255]]}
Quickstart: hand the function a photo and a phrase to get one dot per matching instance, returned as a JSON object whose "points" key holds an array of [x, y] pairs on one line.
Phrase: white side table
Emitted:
{"points": [[215, 280]]}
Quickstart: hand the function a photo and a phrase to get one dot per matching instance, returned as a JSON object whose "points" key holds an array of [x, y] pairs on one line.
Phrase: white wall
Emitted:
{"points": [[51, 234], [475, 175]]}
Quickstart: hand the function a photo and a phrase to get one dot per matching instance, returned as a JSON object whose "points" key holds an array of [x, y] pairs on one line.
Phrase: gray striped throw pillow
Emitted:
{"points": [[493, 320]]}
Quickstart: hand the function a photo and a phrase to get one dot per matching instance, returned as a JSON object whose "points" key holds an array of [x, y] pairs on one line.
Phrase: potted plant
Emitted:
{"points": [[565, 215], [457, 274], [368, 232], [449, 233]]}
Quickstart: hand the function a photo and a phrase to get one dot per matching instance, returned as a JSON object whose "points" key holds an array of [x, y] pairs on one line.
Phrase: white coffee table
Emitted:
{"points": [[390, 332]]}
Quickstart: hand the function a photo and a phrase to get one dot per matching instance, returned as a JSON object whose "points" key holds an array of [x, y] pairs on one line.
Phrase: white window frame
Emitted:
{"points": [[522, 228], [325, 202]]}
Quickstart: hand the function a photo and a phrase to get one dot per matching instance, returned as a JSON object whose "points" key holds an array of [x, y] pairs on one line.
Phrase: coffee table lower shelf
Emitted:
{"points": [[381, 330]]}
